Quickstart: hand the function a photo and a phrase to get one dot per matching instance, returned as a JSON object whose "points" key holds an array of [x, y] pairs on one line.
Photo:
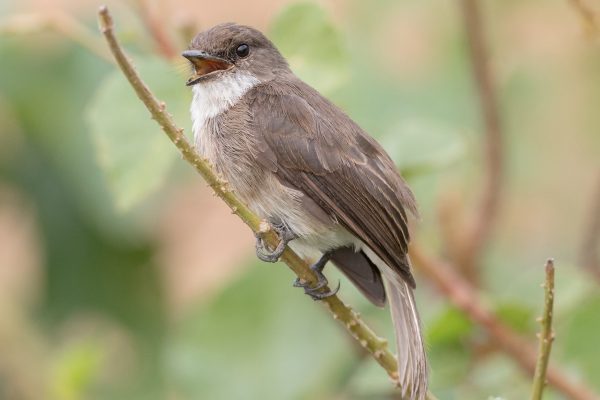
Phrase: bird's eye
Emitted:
{"points": [[243, 50]]}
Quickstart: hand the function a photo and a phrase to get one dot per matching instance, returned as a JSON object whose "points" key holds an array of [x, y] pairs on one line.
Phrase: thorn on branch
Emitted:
{"points": [[264, 227]]}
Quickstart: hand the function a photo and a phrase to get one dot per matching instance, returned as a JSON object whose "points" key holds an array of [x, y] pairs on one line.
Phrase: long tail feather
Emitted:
{"points": [[412, 363]]}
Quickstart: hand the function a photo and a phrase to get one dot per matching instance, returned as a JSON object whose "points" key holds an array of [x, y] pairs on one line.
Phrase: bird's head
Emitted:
{"points": [[230, 49]]}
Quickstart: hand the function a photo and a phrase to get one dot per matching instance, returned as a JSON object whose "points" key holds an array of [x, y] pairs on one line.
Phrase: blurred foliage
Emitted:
{"points": [[450, 329], [271, 327], [584, 327], [96, 175], [517, 316], [419, 147], [76, 370], [309, 40], [135, 156]]}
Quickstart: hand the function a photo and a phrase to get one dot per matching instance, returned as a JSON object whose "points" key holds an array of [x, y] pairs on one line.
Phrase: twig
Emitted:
{"points": [[590, 257], [478, 233], [546, 336], [156, 28], [350, 319], [588, 17], [465, 297]]}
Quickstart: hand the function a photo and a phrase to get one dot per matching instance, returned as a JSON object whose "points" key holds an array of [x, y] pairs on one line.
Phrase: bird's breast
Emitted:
{"points": [[215, 110], [224, 136]]}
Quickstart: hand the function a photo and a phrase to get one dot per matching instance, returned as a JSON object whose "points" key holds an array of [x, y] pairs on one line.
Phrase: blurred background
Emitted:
{"points": [[122, 277]]}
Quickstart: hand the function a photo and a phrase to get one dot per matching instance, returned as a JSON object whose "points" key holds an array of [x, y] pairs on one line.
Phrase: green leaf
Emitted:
{"points": [[450, 328], [134, 154], [76, 369], [448, 351], [449, 366], [419, 146], [496, 376], [581, 337], [306, 36], [518, 316]]}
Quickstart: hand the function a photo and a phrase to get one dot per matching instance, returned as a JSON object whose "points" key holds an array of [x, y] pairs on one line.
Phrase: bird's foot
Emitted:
{"points": [[264, 253], [314, 291]]}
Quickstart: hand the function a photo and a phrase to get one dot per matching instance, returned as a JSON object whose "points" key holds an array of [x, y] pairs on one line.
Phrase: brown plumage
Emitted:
{"points": [[312, 146], [300, 162]]}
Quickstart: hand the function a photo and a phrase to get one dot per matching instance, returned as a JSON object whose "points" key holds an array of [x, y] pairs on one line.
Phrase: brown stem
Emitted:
{"points": [[349, 319], [157, 29], [590, 257], [589, 19], [465, 297], [546, 336], [479, 231]]}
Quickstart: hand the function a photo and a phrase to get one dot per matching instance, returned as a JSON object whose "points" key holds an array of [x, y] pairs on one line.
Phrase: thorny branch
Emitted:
{"points": [[465, 297], [478, 232], [350, 319], [546, 336]]}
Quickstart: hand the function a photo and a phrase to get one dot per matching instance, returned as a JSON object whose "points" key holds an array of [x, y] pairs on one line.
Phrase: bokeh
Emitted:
{"points": [[123, 277]]}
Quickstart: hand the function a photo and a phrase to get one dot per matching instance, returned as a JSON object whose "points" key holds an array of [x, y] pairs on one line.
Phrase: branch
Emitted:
{"points": [[546, 336], [350, 319], [590, 259], [465, 297], [156, 29], [589, 19], [478, 233]]}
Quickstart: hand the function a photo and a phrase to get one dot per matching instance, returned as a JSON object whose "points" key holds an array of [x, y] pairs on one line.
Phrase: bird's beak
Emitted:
{"points": [[204, 64]]}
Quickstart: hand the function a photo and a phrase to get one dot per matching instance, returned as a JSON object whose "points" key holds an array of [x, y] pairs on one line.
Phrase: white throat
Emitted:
{"points": [[213, 97]]}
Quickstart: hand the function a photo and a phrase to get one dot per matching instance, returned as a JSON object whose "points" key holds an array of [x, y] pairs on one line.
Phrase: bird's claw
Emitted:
{"points": [[264, 254], [314, 291], [267, 255], [320, 296]]}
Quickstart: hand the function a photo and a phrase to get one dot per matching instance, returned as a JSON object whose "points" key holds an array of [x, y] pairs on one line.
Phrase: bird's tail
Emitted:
{"points": [[412, 363]]}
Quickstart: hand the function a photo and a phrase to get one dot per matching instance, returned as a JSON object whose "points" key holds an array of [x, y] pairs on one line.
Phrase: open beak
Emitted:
{"points": [[204, 65]]}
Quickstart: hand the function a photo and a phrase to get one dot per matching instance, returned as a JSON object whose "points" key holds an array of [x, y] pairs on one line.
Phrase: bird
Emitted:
{"points": [[298, 161]]}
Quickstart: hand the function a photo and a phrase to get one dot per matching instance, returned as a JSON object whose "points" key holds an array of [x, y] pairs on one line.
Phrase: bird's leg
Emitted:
{"points": [[317, 268], [285, 236]]}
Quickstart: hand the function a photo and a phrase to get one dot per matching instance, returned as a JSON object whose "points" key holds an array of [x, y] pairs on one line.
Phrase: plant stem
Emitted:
{"points": [[479, 231], [589, 19], [546, 336], [590, 255]]}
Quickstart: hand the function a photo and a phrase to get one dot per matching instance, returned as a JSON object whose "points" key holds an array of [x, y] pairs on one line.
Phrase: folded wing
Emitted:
{"points": [[313, 146]]}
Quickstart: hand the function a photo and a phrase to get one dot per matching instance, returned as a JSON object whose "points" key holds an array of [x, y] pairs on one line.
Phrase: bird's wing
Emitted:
{"points": [[314, 147]]}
